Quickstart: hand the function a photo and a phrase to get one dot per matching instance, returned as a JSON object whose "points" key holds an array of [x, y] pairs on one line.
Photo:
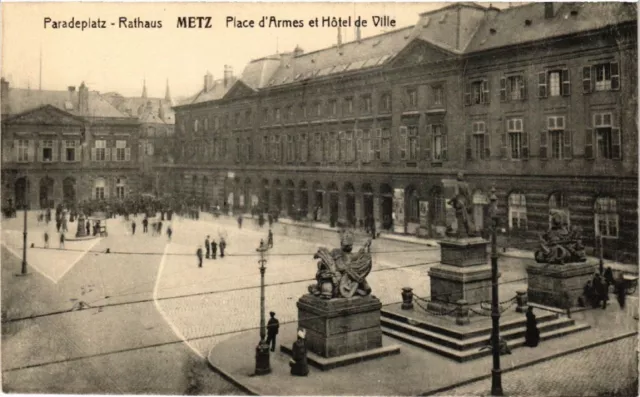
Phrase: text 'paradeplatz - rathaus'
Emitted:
{"points": [[538, 100]]}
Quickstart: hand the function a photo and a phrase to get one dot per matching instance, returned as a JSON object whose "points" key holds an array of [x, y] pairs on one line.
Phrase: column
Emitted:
{"points": [[359, 208], [342, 207], [376, 211], [57, 194], [326, 213], [311, 195]]}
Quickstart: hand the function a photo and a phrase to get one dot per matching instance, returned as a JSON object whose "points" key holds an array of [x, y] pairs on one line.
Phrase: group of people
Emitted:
{"points": [[211, 248], [298, 362], [596, 290], [156, 228]]}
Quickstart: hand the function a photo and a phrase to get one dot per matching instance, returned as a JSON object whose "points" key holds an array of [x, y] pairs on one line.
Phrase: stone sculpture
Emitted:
{"points": [[560, 245], [341, 273], [461, 202]]}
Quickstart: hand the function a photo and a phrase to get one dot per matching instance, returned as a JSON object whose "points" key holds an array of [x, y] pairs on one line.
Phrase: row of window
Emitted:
{"points": [[554, 82], [603, 141], [50, 150], [101, 192]]}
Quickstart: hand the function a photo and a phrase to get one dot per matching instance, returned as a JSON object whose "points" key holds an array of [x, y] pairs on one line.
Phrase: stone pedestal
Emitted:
{"points": [[552, 285], [341, 331], [463, 274], [81, 230]]}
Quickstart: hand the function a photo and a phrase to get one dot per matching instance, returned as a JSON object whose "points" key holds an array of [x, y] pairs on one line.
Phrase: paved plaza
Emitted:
{"points": [[143, 318]]}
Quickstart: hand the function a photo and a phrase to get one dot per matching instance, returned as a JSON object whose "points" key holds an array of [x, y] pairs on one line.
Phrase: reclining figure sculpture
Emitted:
{"points": [[341, 273], [559, 245]]}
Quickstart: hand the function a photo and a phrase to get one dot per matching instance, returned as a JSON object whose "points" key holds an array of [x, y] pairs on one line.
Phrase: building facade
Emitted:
{"points": [[538, 100], [65, 147]]}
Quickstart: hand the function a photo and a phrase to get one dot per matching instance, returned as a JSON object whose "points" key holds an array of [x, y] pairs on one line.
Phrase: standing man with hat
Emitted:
{"points": [[272, 330]]}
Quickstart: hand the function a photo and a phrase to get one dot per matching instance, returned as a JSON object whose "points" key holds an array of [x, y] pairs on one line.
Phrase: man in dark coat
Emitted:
{"points": [[199, 255], [214, 247], [207, 247], [601, 290], [272, 330], [88, 227], [223, 245], [608, 276], [270, 239], [133, 228], [621, 290], [145, 225], [46, 240], [62, 240], [169, 232], [298, 362]]}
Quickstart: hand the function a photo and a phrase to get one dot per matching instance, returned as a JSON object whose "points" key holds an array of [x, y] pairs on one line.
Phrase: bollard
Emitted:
{"points": [[462, 314], [407, 298], [521, 301]]}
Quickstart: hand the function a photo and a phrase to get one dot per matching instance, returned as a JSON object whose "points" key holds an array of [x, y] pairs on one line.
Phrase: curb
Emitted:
{"points": [[534, 362], [232, 379]]}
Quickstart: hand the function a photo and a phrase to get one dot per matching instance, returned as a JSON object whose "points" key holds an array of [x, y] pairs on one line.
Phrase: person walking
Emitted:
{"points": [[270, 239], [608, 277], [223, 245], [160, 228], [199, 255], [169, 232], [240, 221], [58, 224], [61, 240], [207, 247], [133, 228], [272, 330], [298, 362], [621, 290], [214, 247], [145, 225], [46, 240]]}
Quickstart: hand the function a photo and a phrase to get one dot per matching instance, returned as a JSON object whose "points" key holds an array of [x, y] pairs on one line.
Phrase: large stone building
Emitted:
{"points": [[65, 147], [157, 119], [538, 100]]}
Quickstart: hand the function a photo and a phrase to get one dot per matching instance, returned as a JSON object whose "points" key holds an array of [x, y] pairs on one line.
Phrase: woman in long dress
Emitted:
{"points": [[532, 335]]}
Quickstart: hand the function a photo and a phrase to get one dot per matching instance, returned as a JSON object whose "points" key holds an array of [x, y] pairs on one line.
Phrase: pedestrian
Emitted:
{"points": [[46, 240], [58, 225], [608, 277], [298, 362], [207, 247], [621, 290], [160, 228], [133, 227], [61, 240], [169, 232], [261, 219], [240, 222], [223, 245], [272, 330], [373, 228], [64, 224], [88, 227], [214, 247], [270, 239], [199, 255], [532, 334], [145, 224], [601, 291]]}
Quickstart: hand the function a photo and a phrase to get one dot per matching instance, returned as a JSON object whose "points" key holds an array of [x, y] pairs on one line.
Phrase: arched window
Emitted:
{"points": [[517, 211], [99, 189], [558, 206], [121, 188], [606, 217]]}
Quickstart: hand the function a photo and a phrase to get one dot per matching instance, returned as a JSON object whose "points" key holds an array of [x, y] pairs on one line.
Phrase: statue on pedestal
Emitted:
{"points": [[342, 274], [461, 202], [559, 245]]}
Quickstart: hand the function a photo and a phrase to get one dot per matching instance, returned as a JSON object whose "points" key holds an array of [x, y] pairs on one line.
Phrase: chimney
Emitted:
{"points": [[208, 82], [83, 99], [228, 75], [144, 88], [548, 10], [339, 37], [297, 51], [358, 34], [4, 96], [167, 94]]}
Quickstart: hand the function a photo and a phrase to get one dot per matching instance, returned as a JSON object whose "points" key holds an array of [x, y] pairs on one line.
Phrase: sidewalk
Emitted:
{"points": [[414, 371]]}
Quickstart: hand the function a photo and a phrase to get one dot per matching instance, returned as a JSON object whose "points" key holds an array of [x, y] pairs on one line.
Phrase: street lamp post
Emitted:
{"points": [[24, 241], [262, 350], [496, 372]]}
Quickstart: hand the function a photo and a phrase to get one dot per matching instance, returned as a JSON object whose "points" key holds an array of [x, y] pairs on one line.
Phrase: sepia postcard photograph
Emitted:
{"points": [[319, 199]]}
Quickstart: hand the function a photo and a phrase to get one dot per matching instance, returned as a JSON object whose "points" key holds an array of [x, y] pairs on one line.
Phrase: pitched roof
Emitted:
{"points": [[21, 100], [217, 91], [147, 110], [510, 28]]}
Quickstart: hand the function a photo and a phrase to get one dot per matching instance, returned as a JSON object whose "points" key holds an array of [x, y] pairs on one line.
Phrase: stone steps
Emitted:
{"points": [[463, 347]]}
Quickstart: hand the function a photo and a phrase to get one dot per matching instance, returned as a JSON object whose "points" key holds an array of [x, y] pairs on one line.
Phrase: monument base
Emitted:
{"points": [[450, 284], [341, 331], [553, 285]]}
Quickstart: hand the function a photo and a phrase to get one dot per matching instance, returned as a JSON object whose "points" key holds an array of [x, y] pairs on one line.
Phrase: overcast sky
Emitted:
{"points": [[116, 59]]}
